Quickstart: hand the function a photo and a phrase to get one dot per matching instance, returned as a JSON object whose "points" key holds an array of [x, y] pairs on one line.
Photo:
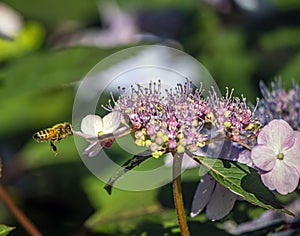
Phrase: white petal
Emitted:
{"points": [[93, 149], [112, 121], [221, 203], [187, 162], [88, 137], [121, 131], [91, 125], [203, 194], [168, 160]]}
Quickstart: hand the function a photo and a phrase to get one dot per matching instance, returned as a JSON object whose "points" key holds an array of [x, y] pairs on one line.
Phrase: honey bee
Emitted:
{"points": [[54, 134]]}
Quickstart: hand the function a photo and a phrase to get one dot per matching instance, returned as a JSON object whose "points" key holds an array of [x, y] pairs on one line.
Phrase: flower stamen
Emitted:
{"points": [[280, 156]]}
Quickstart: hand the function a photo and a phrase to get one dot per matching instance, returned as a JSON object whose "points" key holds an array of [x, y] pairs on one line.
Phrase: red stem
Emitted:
{"points": [[20, 216]]}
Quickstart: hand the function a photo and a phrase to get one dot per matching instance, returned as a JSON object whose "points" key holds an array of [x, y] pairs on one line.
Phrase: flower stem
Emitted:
{"points": [[20, 216], [177, 193], [245, 145]]}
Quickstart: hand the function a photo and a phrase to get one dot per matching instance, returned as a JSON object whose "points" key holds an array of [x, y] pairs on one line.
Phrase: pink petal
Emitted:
{"points": [[221, 203], [91, 125], [203, 194], [112, 121], [288, 142], [245, 158], [263, 157], [282, 178], [275, 133], [292, 155]]}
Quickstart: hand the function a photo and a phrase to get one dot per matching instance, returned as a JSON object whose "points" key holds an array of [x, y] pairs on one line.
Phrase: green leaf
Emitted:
{"points": [[38, 89], [244, 181], [57, 11], [127, 166], [286, 5], [281, 38], [4, 230], [291, 70], [48, 71], [29, 39]]}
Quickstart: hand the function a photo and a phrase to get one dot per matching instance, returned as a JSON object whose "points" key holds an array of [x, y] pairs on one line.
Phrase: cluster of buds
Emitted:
{"points": [[181, 119], [233, 118], [166, 123], [279, 103]]}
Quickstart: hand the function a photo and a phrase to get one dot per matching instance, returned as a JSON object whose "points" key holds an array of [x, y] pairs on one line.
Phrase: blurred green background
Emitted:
{"points": [[239, 44]]}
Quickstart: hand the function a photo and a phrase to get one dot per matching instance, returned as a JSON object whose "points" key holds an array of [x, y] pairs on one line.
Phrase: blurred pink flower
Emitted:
{"points": [[277, 154]]}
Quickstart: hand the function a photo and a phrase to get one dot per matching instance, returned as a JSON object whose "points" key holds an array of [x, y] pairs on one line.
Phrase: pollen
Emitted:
{"points": [[100, 133], [139, 142], [180, 149], [227, 124], [148, 143], [157, 154], [280, 156]]}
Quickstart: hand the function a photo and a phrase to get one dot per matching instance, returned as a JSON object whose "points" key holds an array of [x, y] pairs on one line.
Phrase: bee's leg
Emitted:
{"points": [[53, 147]]}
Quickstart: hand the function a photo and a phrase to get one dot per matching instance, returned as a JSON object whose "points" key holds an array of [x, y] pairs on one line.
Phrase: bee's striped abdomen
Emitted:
{"points": [[44, 135]]}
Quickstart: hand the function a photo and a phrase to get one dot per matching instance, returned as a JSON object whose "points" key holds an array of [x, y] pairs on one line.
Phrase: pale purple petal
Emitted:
{"points": [[240, 155], [91, 125], [264, 136], [231, 152], [263, 157], [203, 194], [282, 178], [93, 149], [289, 142], [221, 203], [292, 156], [228, 152], [245, 158], [112, 121], [275, 133]]}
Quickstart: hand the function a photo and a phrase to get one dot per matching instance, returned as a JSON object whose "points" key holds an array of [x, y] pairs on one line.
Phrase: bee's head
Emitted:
{"points": [[68, 128]]}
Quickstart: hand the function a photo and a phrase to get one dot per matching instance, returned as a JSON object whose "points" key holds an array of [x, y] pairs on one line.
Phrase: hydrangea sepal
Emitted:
{"points": [[242, 180]]}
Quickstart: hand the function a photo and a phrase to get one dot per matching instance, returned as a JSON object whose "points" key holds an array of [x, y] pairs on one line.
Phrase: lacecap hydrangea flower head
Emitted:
{"points": [[180, 121]]}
